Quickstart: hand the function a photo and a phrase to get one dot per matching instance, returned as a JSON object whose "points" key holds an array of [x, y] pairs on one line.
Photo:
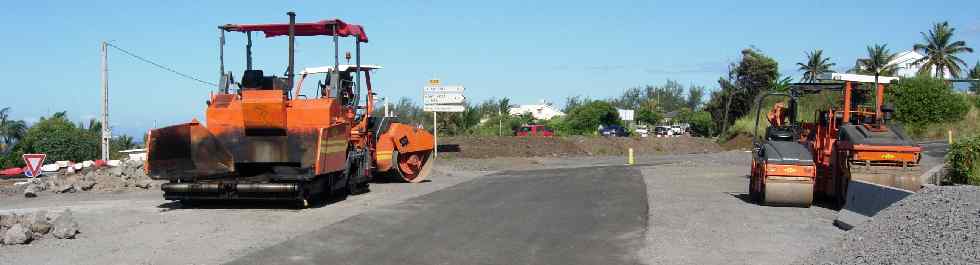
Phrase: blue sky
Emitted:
{"points": [[525, 50]]}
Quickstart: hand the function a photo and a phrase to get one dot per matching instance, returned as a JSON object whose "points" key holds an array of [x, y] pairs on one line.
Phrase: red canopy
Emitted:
{"points": [[322, 27]]}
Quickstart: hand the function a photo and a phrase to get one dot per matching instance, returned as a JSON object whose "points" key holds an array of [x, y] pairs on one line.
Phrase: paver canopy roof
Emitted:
{"points": [[330, 27]]}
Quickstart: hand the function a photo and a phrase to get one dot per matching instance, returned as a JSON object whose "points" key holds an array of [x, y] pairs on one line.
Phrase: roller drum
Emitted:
{"points": [[788, 193]]}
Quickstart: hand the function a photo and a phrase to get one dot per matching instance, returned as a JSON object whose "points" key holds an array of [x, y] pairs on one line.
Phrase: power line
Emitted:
{"points": [[160, 66]]}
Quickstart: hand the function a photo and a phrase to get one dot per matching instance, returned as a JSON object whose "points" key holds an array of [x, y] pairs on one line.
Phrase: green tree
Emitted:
{"points": [[669, 97], [694, 96], [574, 102], [585, 119], [924, 100], [57, 137], [11, 131], [753, 74], [460, 123], [631, 98], [815, 65], [940, 51], [407, 112], [975, 74]]}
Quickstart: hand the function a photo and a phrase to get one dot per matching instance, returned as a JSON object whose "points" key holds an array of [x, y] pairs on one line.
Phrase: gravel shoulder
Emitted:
{"points": [[937, 225], [699, 214]]}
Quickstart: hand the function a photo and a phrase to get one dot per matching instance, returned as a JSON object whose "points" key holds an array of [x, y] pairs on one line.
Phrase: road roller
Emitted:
{"points": [[857, 140], [783, 172], [265, 137]]}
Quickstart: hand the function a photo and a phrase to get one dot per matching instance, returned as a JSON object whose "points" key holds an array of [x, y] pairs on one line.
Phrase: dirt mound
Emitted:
{"points": [[937, 225], [739, 142], [510, 146]]}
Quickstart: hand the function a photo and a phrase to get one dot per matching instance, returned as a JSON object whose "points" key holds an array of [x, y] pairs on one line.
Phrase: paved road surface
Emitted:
{"points": [[594, 215]]}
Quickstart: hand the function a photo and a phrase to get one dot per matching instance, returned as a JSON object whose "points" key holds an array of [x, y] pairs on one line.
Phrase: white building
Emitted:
{"points": [[906, 66], [543, 111], [626, 114]]}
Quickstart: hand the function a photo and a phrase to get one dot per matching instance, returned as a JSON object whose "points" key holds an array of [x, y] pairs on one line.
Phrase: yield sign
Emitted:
{"points": [[34, 162]]}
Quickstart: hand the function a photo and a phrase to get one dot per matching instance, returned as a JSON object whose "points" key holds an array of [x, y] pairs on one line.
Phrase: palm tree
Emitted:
{"points": [[877, 63], [10, 131], [815, 65], [940, 51]]}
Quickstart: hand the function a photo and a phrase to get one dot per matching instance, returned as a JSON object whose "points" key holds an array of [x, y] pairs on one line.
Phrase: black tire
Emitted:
{"points": [[840, 180], [356, 182]]}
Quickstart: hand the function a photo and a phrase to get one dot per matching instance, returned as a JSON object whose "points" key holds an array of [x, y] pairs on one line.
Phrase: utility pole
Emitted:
{"points": [[500, 121], [106, 133], [724, 124], [435, 134]]}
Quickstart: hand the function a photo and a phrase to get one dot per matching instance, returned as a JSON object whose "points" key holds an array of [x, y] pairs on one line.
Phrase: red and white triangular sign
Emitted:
{"points": [[34, 163]]}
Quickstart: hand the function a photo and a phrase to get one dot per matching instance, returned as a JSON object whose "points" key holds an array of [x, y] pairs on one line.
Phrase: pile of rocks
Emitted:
{"points": [[937, 225], [127, 175], [22, 229]]}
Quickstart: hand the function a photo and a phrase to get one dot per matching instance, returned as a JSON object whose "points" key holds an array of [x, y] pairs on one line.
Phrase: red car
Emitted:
{"points": [[535, 130]]}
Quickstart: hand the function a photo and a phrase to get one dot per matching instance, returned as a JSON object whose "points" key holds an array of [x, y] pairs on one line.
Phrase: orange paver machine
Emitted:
{"points": [[267, 140]]}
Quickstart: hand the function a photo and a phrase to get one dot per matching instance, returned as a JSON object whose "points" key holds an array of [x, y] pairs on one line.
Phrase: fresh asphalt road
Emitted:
{"points": [[595, 215]]}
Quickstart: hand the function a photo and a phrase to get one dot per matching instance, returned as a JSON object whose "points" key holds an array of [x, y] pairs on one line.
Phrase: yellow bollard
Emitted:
{"points": [[950, 133], [630, 161]]}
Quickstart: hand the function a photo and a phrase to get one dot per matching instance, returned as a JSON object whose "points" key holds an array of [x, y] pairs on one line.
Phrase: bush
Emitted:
{"points": [[559, 125], [701, 123], [647, 116], [505, 125], [585, 119], [963, 161], [922, 101]]}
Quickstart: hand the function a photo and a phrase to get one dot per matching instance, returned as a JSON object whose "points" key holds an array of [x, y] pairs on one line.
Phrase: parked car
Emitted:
{"points": [[613, 130], [643, 131], [676, 130], [661, 131], [534, 130]]}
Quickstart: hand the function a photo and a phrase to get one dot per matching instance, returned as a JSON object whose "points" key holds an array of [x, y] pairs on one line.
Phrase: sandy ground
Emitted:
{"points": [[142, 228]]}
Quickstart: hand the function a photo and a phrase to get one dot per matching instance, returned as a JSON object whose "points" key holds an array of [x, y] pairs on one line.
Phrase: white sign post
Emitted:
{"points": [[438, 98]]}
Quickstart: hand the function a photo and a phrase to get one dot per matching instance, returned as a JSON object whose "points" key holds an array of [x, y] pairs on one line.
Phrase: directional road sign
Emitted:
{"points": [[442, 89], [429, 99], [444, 108]]}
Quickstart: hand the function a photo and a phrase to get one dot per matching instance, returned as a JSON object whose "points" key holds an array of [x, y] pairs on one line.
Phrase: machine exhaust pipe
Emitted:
{"points": [[292, 41]]}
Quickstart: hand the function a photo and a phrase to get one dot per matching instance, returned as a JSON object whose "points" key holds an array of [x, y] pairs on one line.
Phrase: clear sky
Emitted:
{"points": [[524, 50]]}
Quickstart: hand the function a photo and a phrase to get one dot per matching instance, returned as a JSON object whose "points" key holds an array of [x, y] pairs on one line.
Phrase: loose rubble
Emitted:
{"points": [[64, 226], [937, 225], [127, 175], [24, 228], [17, 234]]}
